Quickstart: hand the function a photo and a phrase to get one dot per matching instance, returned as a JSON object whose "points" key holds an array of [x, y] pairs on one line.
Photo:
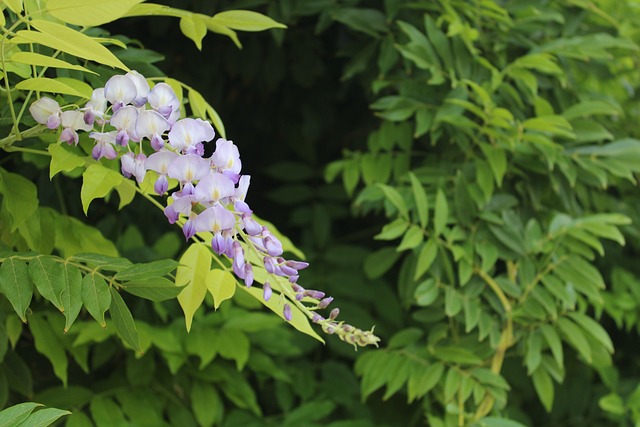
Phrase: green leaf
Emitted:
{"points": [[49, 278], [544, 387], [154, 288], [63, 159], [593, 328], [611, 403], [48, 343], [427, 292], [574, 336], [45, 84], [192, 273], [233, 344], [101, 262], [245, 20], [554, 343], [89, 13], [20, 197], [497, 422], [96, 296], [379, 262], [97, 182], [412, 238], [421, 201], [426, 256], [393, 230], [221, 284], [590, 108], [458, 355], [420, 384], [37, 59], [16, 285], [369, 21], [441, 213], [65, 39], [71, 294], [123, 321], [533, 355], [194, 27], [105, 412], [147, 270], [206, 403], [44, 417], [497, 159], [396, 199], [14, 415]]}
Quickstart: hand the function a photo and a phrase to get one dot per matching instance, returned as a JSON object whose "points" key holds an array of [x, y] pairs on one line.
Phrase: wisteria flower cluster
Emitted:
{"points": [[211, 191]]}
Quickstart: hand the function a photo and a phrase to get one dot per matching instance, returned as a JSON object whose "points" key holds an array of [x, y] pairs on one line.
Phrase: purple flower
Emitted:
{"points": [[272, 245], [215, 219], [221, 244], [46, 111], [238, 255], [124, 120], [95, 107], [133, 165], [266, 291], [105, 145], [213, 188], [151, 125], [141, 85], [286, 312], [248, 275], [189, 229], [250, 225], [227, 158], [120, 91], [324, 303], [160, 162], [188, 168], [186, 133], [163, 99]]}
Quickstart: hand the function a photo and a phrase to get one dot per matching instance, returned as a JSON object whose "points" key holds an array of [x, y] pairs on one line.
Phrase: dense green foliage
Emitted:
{"points": [[460, 174]]}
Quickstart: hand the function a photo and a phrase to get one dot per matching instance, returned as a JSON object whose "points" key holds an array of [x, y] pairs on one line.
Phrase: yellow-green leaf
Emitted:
{"points": [[192, 274], [68, 40], [221, 284], [97, 182], [245, 20], [14, 5], [62, 159], [221, 29], [40, 60], [194, 27], [298, 319], [63, 86], [90, 13]]}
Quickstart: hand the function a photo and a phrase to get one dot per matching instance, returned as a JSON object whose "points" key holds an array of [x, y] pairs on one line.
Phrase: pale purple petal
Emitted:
{"points": [[188, 168], [119, 91], [160, 161], [213, 187], [215, 219]]}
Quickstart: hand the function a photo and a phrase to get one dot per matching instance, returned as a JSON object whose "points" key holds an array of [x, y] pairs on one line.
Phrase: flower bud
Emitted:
{"points": [[334, 313], [248, 275], [287, 312], [266, 291], [324, 303]]}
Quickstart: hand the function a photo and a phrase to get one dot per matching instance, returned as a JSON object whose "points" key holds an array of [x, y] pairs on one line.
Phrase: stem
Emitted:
{"points": [[506, 341]]}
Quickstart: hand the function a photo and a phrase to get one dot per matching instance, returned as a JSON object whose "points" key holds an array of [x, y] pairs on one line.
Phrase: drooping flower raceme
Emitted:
{"points": [[211, 192]]}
